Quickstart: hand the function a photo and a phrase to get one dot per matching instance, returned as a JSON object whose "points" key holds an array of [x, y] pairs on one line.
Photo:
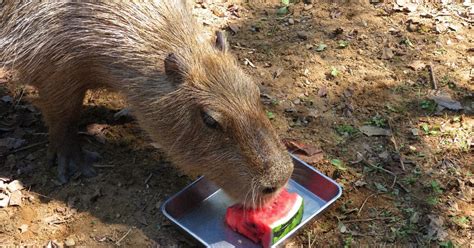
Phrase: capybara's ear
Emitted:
{"points": [[173, 69], [221, 42]]}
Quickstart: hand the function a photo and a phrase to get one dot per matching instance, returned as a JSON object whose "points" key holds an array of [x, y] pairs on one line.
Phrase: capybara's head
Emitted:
{"points": [[213, 124]]}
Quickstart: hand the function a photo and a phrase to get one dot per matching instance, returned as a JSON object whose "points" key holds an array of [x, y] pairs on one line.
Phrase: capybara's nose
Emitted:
{"points": [[269, 190]]}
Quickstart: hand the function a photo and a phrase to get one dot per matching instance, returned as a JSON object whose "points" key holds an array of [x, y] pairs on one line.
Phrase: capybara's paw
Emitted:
{"points": [[70, 163]]}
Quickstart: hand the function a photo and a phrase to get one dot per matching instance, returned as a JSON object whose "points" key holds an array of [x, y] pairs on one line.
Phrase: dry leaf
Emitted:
{"points": [[375, 131], [417, 65]]}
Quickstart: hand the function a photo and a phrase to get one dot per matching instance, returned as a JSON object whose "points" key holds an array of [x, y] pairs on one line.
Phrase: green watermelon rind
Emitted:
{"points": [[289, 224]]}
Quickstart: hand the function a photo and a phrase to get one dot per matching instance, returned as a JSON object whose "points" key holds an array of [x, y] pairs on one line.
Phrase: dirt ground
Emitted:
{"points": [[331, 75]]}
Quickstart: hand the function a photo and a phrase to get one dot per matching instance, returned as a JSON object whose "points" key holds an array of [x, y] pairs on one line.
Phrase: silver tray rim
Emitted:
{"points": [[281, 241]]}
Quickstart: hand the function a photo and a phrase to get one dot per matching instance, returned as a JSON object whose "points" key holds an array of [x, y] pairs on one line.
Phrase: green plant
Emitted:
{"points": [[434, 130], [436, 187], [345, 129], [334, 72], [343, 44], [446, 244], [270, 115], [348, 241], [377, 121], [338, 164], [462, 221], [428, 105], [432, 200]]}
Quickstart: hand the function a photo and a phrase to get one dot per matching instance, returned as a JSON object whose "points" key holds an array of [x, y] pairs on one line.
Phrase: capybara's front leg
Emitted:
{"points": [[61, 109]]}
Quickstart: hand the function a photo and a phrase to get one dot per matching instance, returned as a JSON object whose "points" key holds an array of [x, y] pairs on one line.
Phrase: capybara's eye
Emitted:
{"points": [[209, 121]]}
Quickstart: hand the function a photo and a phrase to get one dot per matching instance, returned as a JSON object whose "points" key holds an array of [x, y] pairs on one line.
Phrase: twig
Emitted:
{"points": [[394, 141], [41, 195], [26, 147], [432, 76], [384, 170], [248, 62], [125, 235], [403, 187], [370, 219], [148, 178], [244, 48], [365, 201]]}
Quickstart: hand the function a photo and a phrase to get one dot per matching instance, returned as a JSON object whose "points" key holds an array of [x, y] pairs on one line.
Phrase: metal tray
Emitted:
{"points": [[199, 209]]}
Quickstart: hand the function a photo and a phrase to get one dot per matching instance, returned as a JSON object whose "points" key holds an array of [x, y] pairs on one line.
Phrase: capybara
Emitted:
{"points": [[186, 91]]}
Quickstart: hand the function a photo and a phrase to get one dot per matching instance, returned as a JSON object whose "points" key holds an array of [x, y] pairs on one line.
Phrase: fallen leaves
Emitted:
{"points": [[374, 131], [308, 153], [435, 228], [444, 100], [10, 193]]}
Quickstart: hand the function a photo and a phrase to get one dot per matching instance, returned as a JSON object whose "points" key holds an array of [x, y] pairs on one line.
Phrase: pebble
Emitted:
{"points": [[291, 21], [69, 242], [307, 6], [302, 35]]}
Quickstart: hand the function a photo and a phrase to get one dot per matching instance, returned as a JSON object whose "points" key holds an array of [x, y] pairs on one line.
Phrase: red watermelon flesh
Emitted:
{"points": [[270, 223]]}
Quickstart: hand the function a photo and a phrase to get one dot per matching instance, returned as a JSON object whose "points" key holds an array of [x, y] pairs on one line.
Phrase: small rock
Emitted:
{"points": [[69, 242], [4, 199], [15, 186], [360, 183], [7, 99], [302, 35], [15, 198], [440, 28], [384, 155], [291, 21], [23, 228], [415, 131], [323, 91], [297, 101], [387, 53], [417, 65], [308, 6]]}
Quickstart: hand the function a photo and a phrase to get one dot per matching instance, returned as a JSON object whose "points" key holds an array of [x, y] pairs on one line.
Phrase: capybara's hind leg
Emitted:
{"points": [[61, 107]]}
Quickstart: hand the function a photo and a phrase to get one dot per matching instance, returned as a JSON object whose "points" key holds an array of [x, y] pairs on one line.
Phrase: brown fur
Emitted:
{"points": [[65, 48]]}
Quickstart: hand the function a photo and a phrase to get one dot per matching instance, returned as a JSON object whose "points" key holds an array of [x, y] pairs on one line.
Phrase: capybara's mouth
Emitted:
{"points": [[260, 198]]}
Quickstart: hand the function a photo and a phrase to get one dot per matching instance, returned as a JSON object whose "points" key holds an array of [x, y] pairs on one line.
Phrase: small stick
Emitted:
{"points": [[244, 48], [394, 141], [125, 235], [432, 76], [148, 178], [365, 201], [385, 170], [403, 187], [364, 220], [41, 195], [248, 62], [26, 147]]}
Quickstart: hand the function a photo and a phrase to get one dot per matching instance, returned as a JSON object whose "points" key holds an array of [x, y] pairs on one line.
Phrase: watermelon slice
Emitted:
{"points": [[270, 223]]}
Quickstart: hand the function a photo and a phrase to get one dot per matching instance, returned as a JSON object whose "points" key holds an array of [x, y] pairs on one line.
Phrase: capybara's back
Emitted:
{"points": [[189, 94]]}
